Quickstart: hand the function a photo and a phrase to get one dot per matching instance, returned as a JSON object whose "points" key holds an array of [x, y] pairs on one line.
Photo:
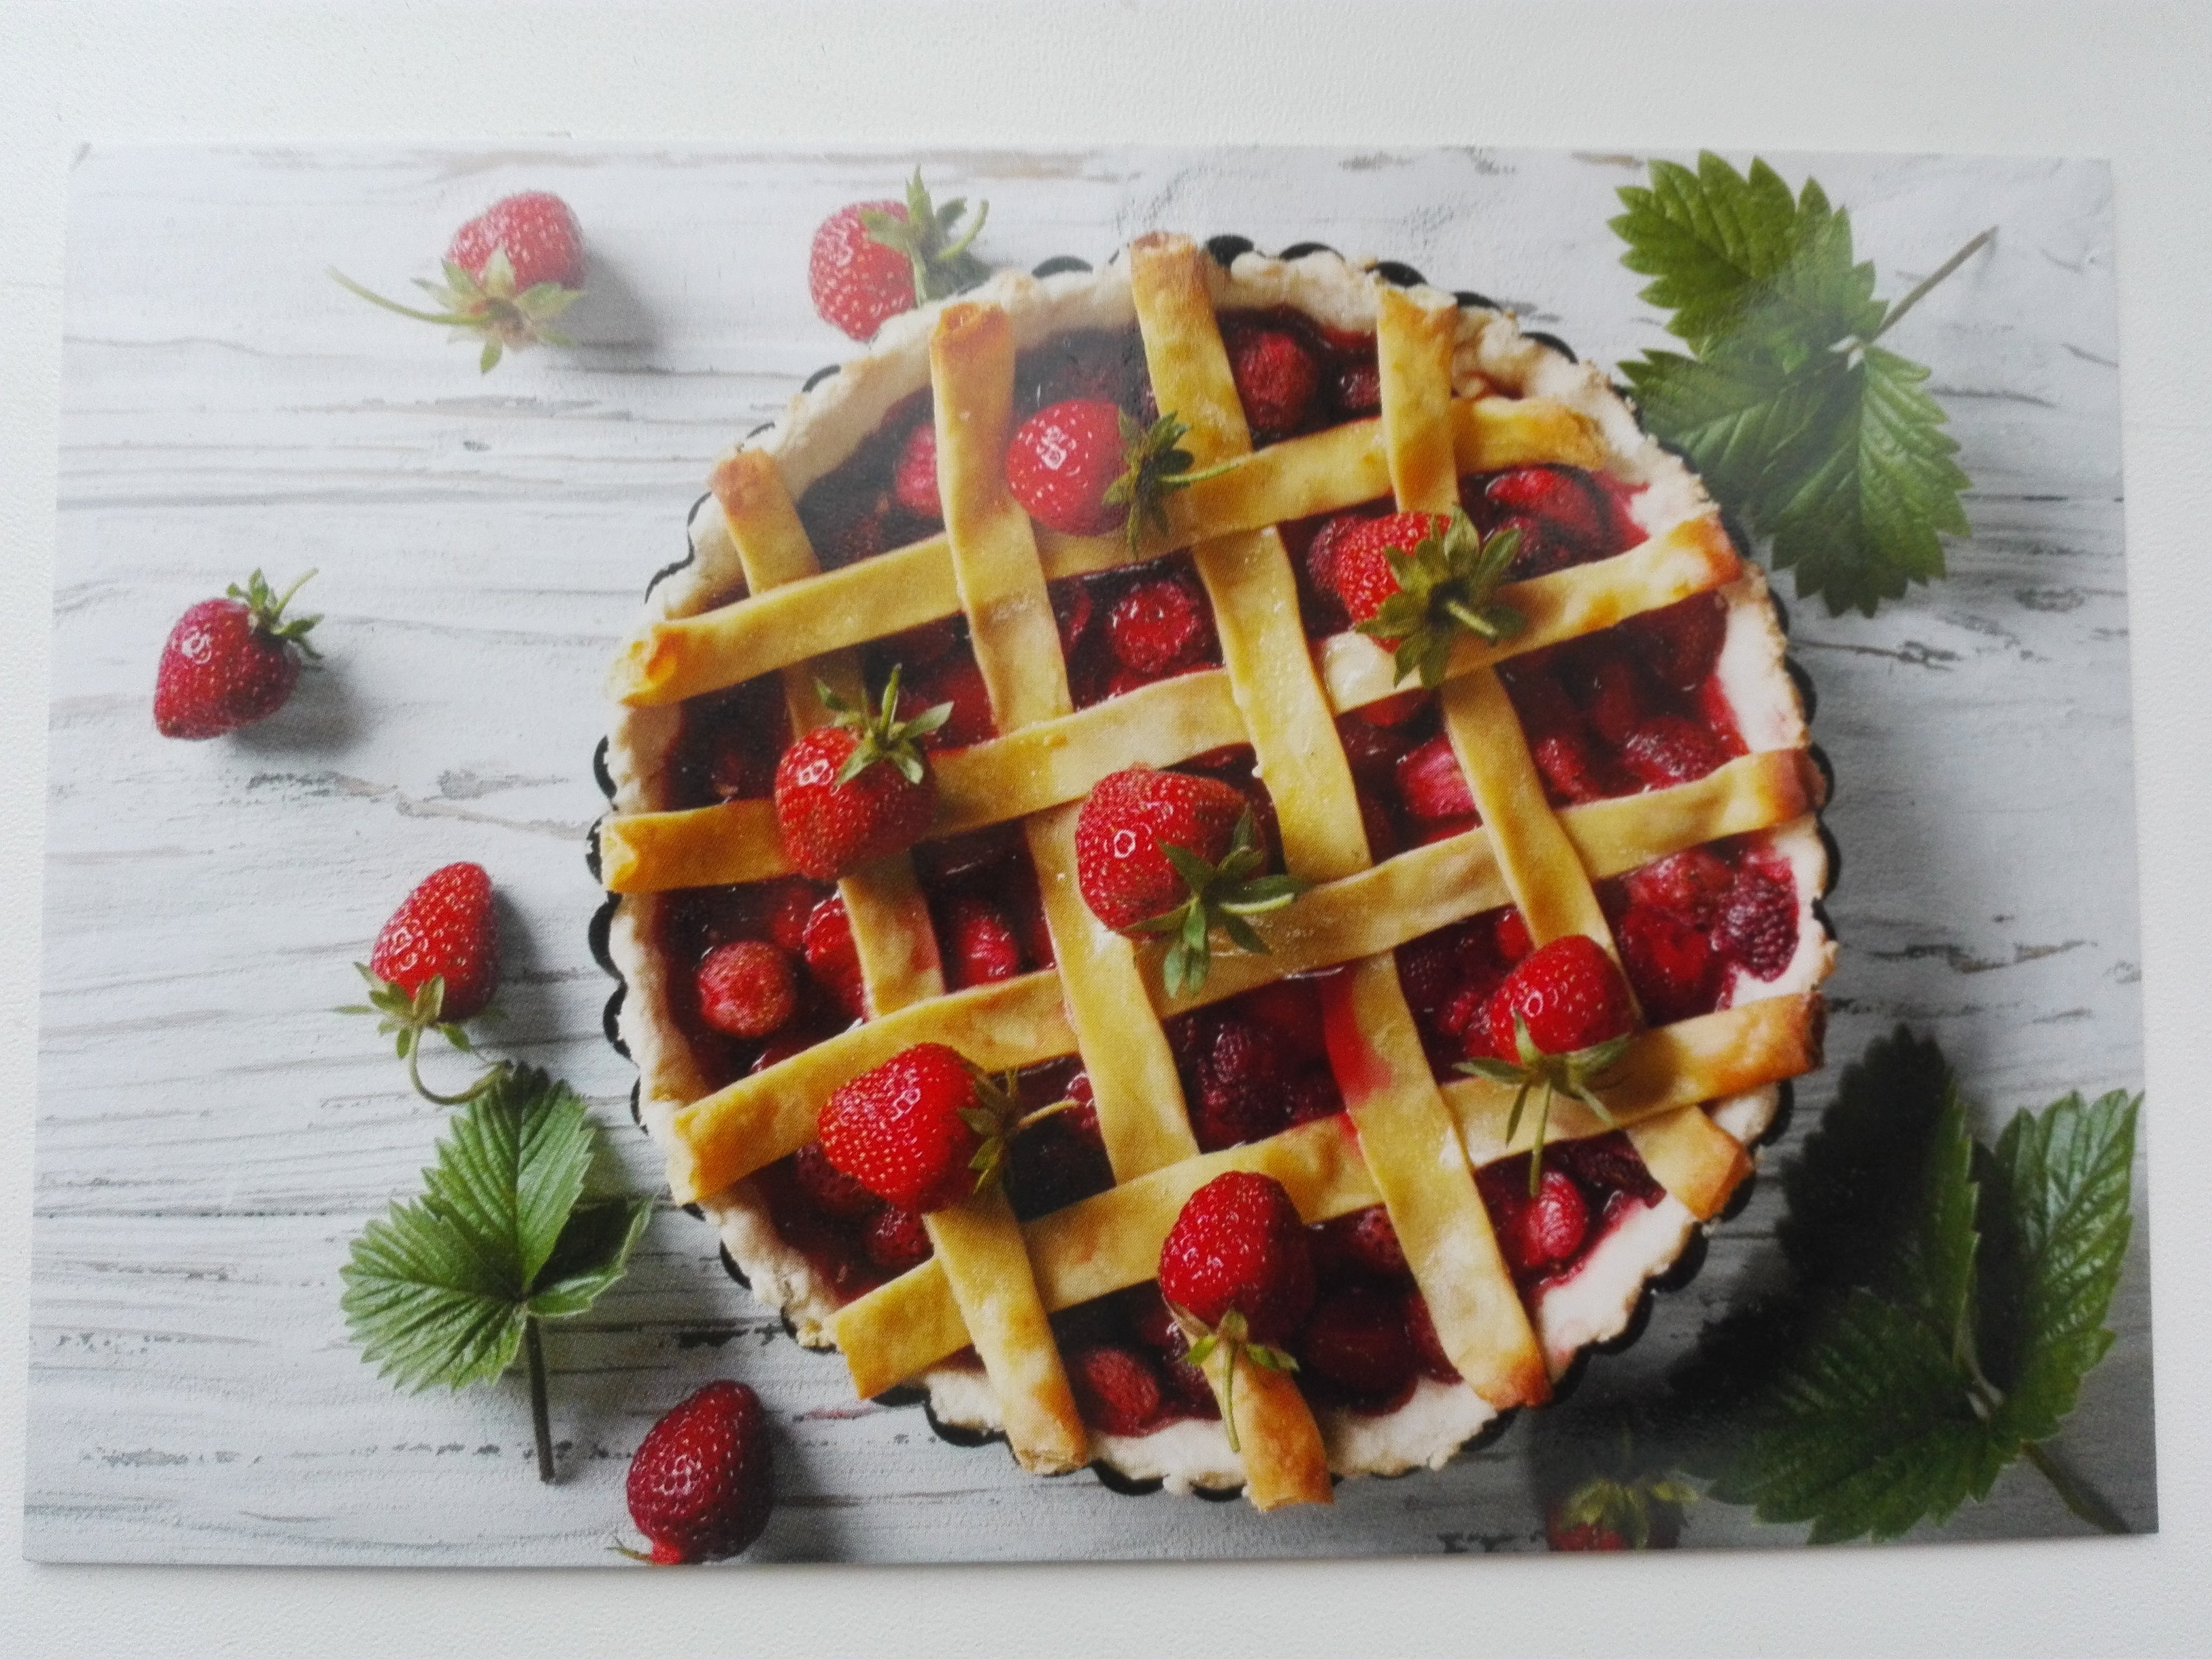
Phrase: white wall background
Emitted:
{"points": [[2129, 82]]}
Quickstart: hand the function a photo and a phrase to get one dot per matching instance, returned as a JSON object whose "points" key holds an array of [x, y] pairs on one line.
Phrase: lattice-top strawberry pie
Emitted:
{"points": [[1202, 835]]}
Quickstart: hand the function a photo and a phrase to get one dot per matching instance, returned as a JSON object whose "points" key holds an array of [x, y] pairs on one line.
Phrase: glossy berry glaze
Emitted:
{"points": [[1633, 708]]}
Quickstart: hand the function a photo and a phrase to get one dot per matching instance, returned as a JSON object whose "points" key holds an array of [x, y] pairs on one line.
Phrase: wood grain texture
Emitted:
{"points": [[210, 1136]]}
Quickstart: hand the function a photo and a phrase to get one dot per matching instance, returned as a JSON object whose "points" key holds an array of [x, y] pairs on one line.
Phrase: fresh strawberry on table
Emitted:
{"points": [[858, 789], [231, 661], [872, 261], [922, 1131], [1173, 854], [1236, 1269], [509, 272], [436, 963], [1558, 1023], [702, 1482], [1415, 581]]}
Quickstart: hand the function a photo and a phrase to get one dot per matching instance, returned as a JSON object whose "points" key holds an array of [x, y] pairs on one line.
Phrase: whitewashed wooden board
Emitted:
{"points": [[211, 1136]]}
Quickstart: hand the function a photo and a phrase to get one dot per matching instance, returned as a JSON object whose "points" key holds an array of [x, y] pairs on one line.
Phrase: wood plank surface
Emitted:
{"points": [[210, 1135]]}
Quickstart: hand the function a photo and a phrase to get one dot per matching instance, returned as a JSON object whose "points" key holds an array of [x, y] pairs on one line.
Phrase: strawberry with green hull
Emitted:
{"points": [[436, 963], [1559, 1022], [872, 260], [1171, 853], [1415, 581], [1083, 467], [231, 661], [923, 1131], [858, 789], [701, 1483], [1236, 1269], [509, 272]]}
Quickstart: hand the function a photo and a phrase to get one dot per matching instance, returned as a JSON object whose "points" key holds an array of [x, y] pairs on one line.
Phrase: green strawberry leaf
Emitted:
{"points": [[2056, 1238], [437, 1290], [1825, 443]]}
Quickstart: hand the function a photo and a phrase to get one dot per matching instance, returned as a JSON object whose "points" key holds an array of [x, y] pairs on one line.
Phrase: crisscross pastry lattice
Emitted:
{"points": [[1406, 1141]]}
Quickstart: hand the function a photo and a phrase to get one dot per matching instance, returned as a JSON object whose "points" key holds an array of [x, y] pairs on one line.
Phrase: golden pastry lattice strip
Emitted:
{"points": [[1285, 1461], [1111, 1241], [892, 933], [749, 1124], [1161, 724], [1017, 648], [684, 657]]}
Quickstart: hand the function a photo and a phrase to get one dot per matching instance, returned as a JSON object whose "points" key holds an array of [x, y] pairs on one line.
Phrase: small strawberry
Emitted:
{"points": [[434, 963], [832, 957], [1432, 785], [1277, 380], [1236, 1268], [922, 1131], [1115, 1387], [1667, 749], [1611, 1513], [230, 662], [509, 272], [1356, 1339], [895, 1240], [1669, 962], [1537, 1229], [1680, 642], [1758, 923], [785, 907], [872, 260], [1160, 627], [746, 988], [914, 479], [830, 1189], [982, 949], [1063, 460], [1240, 1093], [1690, 883], [1356, 389], [1059, 1156], [956, 681], [1414, 581], [702, 1482], [1561, 1019], [857, 789], [1563, 500], [1167, 853]]}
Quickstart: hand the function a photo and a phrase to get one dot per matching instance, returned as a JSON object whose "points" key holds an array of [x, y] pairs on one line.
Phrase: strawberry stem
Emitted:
{"points": [[1929, 283], [451, 320], [541, 1420], [482, 1086]]}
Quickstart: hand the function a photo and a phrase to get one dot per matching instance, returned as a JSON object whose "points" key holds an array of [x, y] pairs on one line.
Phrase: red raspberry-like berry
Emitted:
{"points": [[1570, 767], [1240, 1095], [1540, 1233], [1611, 695], [746, 989], [1606, 1163], [959, 681], [1669, 962], [1061, 462], [1356, 388], [829, 1188], [895, 1241], [1372, 751], [1562, 500], [701, 1484], [1680, 643], [914, 479], [1277, 380], [832, 957], [1510, 936], [785, 907], [1667, 749], [1370, 1242], [1357, 1340], [1239, 1243], [1160, 627], [983, 948], [1692, 883], [1058, 1159], [1116, 1388], [1430, 784], [1290, 1012], [1312, 1095], [1757, 924]]}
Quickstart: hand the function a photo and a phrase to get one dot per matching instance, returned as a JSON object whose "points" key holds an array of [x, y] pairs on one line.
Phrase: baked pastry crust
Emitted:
{"points": [[1463, 390]]}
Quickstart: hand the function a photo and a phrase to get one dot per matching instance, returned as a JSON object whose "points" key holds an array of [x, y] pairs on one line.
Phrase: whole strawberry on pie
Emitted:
{"points": [[858, 789], [1558, 1023], [1174, 854], [1238, 1273], [1416, 582], [231, 661], [1084, 468], [922, 1131], [509, 272]]}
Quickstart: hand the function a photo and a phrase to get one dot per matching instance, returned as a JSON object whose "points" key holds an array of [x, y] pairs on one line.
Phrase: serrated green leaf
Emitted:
{"points": [[1870, 1431], [1736, 417], [1934, 1275], [436, 1291], [593, 1252], [2057, 1224]]}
